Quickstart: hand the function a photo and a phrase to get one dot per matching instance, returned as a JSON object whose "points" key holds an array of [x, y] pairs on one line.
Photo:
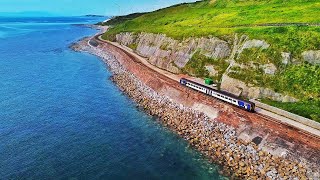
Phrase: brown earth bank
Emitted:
{"points": [[247, 145]]}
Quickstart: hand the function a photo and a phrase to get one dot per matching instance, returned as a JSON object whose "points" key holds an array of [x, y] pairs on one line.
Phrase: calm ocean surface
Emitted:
{"points": [[61, 117]]}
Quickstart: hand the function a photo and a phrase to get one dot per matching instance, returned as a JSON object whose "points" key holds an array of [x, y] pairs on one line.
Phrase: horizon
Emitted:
{"points": [[68, 8]]}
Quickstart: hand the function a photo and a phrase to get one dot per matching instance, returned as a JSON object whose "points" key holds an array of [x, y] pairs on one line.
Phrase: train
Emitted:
{"points": [[226, 97]]}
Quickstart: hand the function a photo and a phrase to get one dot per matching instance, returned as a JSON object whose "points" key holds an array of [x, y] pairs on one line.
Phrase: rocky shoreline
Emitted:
{"points": [[219, 142]]}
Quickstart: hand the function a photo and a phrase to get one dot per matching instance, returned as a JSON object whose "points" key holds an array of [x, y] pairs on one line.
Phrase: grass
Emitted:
{"points": [[308, 109], [196, 66], [223, 18], [287, 25], [133, 46], [120, 19]]}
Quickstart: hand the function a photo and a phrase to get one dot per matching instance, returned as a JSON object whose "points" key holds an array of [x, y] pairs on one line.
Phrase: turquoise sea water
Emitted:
{"points": [[61, 117]]}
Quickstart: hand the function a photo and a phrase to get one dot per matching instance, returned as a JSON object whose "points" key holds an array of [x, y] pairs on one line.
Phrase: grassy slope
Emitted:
{"points": [[224, 18], [227, 17]]}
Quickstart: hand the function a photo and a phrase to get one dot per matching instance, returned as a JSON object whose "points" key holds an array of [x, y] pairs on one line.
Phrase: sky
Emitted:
{"points": [[83, 7]]}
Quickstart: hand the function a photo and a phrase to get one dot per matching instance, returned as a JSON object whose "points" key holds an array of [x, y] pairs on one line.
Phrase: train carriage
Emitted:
{"points": [[243, 104]]}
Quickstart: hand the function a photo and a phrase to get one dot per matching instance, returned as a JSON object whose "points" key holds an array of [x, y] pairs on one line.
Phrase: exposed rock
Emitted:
{"points": [[238, 87], [286, 58], [212, 71], [269, 68], [289, 99], [170, 54], [232, 85], [312, 57], [254, 43], [244, 43], [126, 38]]}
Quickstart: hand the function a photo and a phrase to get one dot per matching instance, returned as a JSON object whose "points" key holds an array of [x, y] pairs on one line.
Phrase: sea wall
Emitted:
{"points": [[216, 140]]}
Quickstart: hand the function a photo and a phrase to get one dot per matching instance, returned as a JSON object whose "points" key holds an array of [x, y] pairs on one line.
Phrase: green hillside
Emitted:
{"points": [[271, 20], [287, 25]]}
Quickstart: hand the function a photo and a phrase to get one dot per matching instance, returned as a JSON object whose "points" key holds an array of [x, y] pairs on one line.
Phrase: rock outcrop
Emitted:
{"points": [[170, 54], [269, 69], [254, 43], [173, 55], [313, 57], [286, 58], [238, 87]]}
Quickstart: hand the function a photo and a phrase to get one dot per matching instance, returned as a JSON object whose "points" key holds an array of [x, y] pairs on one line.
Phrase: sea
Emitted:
{"points": [[61, 117]]}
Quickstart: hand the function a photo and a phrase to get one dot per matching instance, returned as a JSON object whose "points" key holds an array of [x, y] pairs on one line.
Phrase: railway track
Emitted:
{"points": [[164, 77], [265, 117]]}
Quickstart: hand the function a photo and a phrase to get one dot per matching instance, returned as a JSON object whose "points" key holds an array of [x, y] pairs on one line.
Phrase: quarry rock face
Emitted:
{"points": [[313, 57], [170, 54]]}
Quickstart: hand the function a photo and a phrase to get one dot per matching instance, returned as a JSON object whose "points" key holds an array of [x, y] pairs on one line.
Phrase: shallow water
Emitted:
{"points": [[61, 117]]}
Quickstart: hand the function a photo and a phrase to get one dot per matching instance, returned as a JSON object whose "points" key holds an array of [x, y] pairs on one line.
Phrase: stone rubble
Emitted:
{"points": [[219, 142]]}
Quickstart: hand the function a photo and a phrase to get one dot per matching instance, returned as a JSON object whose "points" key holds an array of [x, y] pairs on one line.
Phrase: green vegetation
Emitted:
{"points": [[260, 56], [308, 109], [253, 76], [280, 22], [120, 19], [196, 66], [133, 46], [302, 81], [287, 25]]}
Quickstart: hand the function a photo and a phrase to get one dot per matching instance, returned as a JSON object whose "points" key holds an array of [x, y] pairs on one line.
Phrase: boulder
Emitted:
{"points": [[269, 69], [212, 71], [313, 57], [232, 85], [254, 43], [286, 58]]}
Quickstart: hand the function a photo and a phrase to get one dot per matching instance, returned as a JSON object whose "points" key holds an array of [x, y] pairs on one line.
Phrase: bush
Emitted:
{"points": [[196, 66]]}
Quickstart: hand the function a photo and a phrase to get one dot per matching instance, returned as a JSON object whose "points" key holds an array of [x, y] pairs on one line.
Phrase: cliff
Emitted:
{"points": [[244, 48], [174, 55]]}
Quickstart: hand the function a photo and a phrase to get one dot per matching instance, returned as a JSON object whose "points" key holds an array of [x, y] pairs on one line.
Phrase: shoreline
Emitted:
{"points": [[218, 141]]}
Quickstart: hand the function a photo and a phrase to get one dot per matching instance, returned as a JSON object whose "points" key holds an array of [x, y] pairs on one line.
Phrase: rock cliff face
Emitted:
{"points": [[173, 55], [238, 88]]}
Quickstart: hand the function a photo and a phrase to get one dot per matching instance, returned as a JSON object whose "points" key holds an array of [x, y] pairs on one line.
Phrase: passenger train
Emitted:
{"points": [[243, 104]]}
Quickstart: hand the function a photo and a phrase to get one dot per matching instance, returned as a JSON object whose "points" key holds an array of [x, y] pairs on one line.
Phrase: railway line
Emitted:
{"points": [[176, 79], [265, 117]]}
